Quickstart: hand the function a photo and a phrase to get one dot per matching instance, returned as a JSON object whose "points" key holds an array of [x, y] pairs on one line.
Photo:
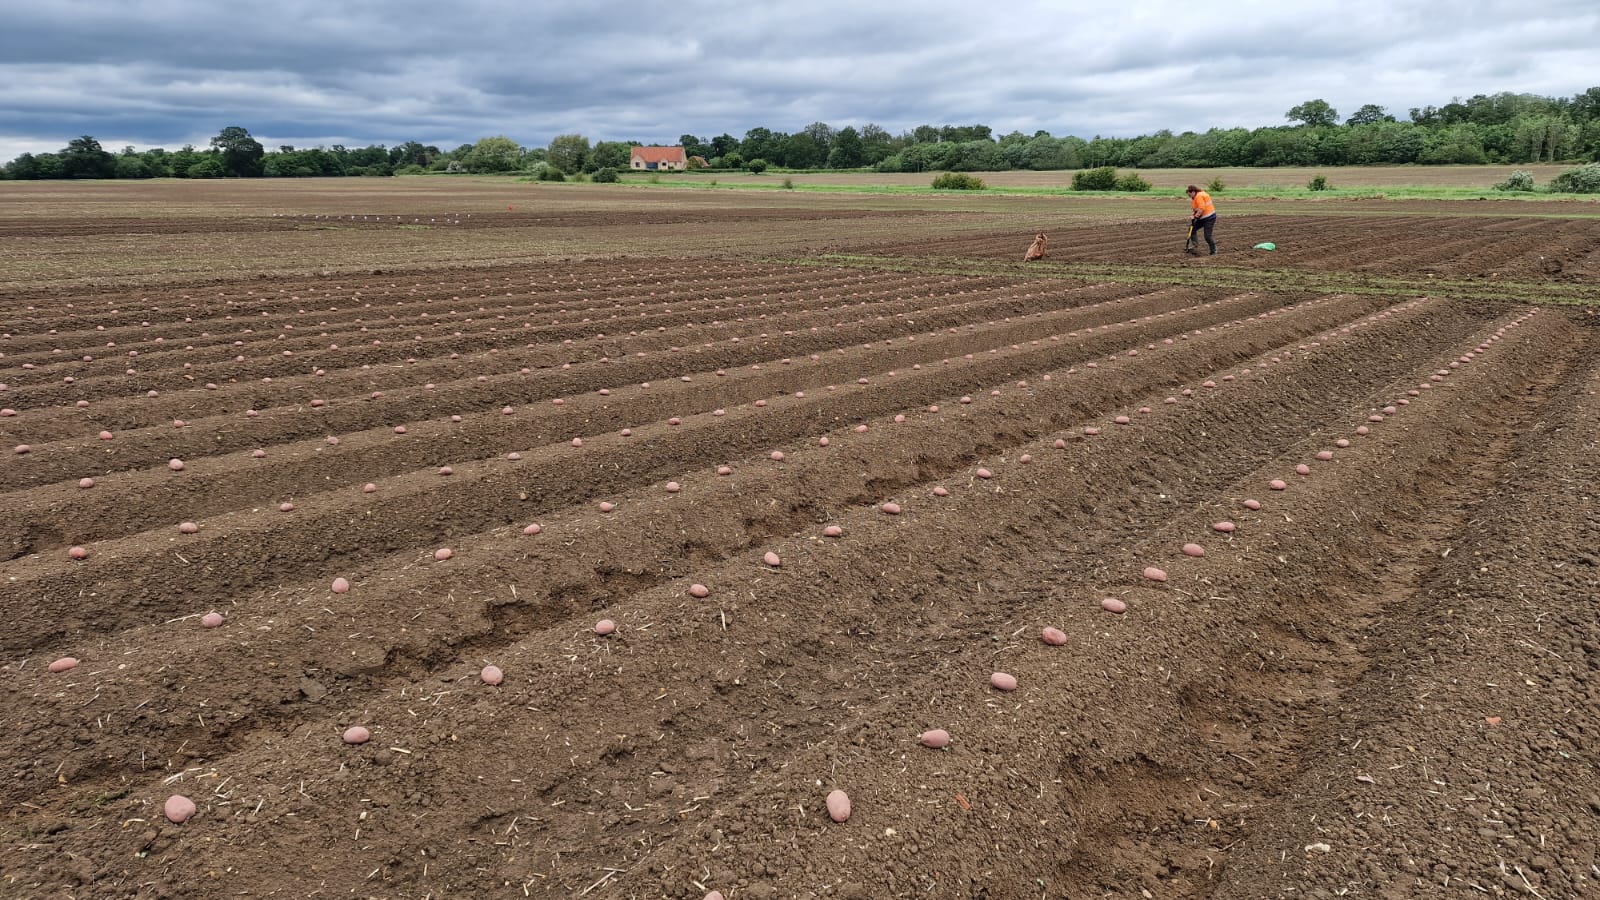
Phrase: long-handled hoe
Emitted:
{"points": [[1191, 246]]}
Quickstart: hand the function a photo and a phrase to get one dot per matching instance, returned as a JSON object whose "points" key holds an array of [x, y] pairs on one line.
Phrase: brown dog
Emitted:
{"points": [[1036, 251]]}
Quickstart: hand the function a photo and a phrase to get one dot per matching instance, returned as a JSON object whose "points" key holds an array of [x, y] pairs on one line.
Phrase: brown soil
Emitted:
{"points": [[1382, 683], [1416, 245]]}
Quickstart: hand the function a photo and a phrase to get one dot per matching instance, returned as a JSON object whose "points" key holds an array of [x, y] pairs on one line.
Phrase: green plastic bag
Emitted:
{"points": [[1268, 245]]}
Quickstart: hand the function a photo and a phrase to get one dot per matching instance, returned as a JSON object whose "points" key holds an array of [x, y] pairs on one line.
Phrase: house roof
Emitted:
{"points": [[659, 154]]}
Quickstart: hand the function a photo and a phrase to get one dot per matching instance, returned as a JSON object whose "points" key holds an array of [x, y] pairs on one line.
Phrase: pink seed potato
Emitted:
{"points": [[1154, 574], [772, 559], [211, 620], [1324, 455], [838, 803], [890, 509], [341, 586], [605, 627], [984, 473], [78, 552], [64, 664], [936, 738], [1194, 550], [178, 809], [832, 531], [535, 528], [1302, 469], [356, 734], [1055, 637], [188, 528], [443, 553], [1224, 527], [1252, 504], [1113, 605], [1003, 681], [1278, 484], [699, 590]]}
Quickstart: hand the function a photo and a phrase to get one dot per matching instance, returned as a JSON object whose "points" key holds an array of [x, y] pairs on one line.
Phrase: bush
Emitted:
{"points": [[1520, 180], [788, 184], [756, 166], [605, 175], [1132, 182], [1101, 179], [1319, 183], [957, 181], [551, 173], [210, 167], [1585, 180], [1216, 186]]}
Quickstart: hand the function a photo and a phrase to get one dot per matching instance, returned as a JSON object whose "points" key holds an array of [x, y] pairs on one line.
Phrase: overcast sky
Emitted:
{"points": [[358, 72]]}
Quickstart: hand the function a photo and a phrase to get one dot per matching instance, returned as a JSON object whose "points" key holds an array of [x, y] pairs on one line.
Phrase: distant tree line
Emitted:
{"points": [[1497, 128]]}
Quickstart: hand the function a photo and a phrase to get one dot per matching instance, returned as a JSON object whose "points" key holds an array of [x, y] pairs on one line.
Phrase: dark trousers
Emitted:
{"points": [[1206, 224]]}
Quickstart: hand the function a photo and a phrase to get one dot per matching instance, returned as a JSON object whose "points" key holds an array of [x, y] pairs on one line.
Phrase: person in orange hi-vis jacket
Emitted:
{"points": [[1203, 215]]}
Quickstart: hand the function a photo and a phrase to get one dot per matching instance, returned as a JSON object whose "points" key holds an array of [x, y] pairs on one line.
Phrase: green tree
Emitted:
{"points": [[241, 153], [847, 152], [1369, 114], [85, 158], [1543, 139], [756, 166], [413, 153], [722, 145], [800, 151], [132, 167], [209, 166], [876, 144], [1316, 113], [1585, 107], [760, 143], [569, 153], [1453, 144], [24, 168], [612, 154], [493, 154], [693, 146], [823, 135]]}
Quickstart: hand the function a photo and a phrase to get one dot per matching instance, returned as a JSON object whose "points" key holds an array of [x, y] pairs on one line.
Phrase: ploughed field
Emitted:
{"points": [[1295, 585]]}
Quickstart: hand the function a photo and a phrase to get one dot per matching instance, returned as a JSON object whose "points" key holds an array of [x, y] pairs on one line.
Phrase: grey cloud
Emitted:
{"points": [[163, 72]]}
